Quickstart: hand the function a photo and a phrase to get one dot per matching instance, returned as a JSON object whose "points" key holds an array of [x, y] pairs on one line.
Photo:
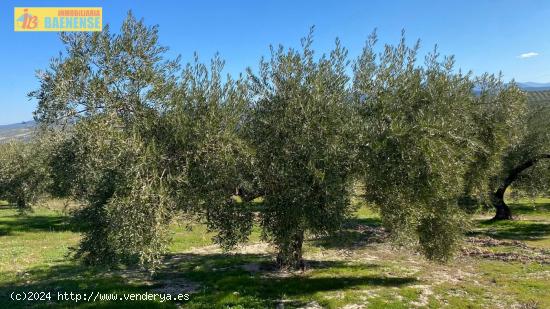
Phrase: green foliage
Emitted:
{"points": [[440, 232], [533, 182], [419, 141], [533, 143], [139, 140], [299, 129], [499, 116], [122, 75], [126, 211], [106, 92], [24, 174], [208, 160]]}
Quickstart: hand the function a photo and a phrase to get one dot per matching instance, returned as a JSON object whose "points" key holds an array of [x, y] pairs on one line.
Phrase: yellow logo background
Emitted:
{"points": [[58, 19]]}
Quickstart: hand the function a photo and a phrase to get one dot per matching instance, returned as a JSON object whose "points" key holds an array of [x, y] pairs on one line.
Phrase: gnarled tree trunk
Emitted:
{"points": [[503, 211], [290, 254]]}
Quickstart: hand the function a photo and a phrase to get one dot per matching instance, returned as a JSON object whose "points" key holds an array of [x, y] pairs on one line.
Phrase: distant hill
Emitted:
{"points": [[531, 86], [17, 131]]}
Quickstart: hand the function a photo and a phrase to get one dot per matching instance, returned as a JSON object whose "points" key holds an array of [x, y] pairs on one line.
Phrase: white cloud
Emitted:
{"points": [[528, 55]]}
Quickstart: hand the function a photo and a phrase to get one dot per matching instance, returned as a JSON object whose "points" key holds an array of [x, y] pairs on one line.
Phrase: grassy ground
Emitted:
{"points": [[502, 265]]}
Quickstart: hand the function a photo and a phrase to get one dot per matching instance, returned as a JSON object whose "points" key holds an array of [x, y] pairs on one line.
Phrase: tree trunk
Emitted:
{"points": [[503, 212], [290, 254], [21, 204]]}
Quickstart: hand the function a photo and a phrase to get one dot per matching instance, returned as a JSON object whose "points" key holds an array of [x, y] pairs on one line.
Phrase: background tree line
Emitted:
{"points": [[139, 139]]}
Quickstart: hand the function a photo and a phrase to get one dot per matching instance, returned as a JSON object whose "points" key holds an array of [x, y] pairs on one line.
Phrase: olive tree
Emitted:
{"points": [[533, 182], [524, 160], [107, 90], [144, 141], [418, 141], [499, 115], [24, 174], [300, 131], [207, 160]]}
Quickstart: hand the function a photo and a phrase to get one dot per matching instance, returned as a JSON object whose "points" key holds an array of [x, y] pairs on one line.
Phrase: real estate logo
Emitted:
{"points": [[58, 19]]}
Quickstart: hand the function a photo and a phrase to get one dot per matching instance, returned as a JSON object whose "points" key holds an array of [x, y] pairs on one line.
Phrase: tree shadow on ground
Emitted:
{"points": [[531, 223], [355, 233], [214, 281], [35, 223], [513, 230], [67, 278], [252, 281], [530, 208], [519, 229]]}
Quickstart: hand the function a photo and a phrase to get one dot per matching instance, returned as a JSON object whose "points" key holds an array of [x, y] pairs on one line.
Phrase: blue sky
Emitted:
{"points": [[485, 36]]}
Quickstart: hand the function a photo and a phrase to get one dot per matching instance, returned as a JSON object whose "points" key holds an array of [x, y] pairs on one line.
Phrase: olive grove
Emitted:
{"points": [[141, 140]]}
